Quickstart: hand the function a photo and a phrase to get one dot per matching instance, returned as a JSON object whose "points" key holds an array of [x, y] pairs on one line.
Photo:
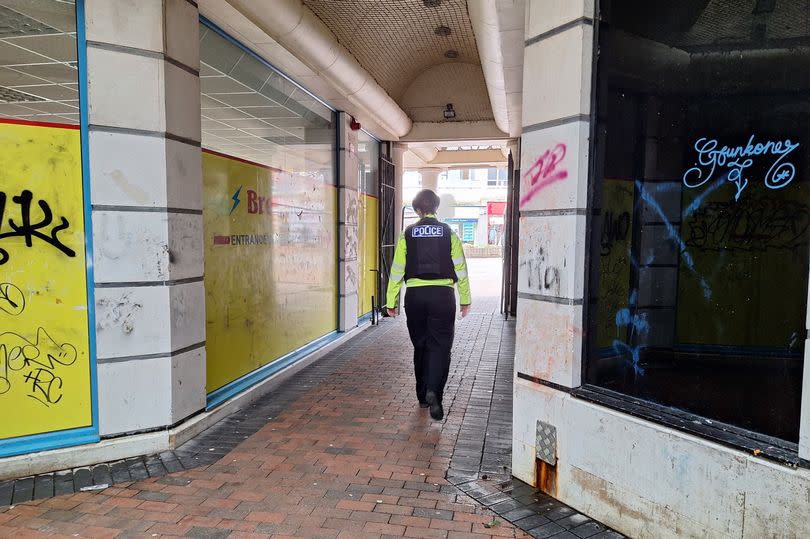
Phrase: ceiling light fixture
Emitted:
{"points": [[449, 112], [443, 30], [451, 54]]}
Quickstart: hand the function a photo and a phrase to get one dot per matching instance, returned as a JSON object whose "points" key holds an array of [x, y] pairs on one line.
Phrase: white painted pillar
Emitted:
{"points": [[348, 186], [554, 179], [430, 178], [398, 157], [145, 169]]}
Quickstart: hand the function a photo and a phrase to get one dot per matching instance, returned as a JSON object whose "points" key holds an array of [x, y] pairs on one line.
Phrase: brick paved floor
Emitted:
{"points": [[340, 450]]}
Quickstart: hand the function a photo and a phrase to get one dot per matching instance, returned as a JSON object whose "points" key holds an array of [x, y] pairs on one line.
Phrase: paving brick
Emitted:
{"points": [[315, 458], [355, 505], [266, 516], [467, 535], [382, 527], [418, 522], [426, 533], [433, 513], [393, 509]]}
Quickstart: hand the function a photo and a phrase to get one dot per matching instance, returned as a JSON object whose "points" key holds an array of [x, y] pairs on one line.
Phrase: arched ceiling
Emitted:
{"points": [[457, 83], [397, 41]]}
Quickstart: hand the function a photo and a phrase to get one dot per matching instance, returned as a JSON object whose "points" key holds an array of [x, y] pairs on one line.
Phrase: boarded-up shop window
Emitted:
{"points": [[698, 288]]}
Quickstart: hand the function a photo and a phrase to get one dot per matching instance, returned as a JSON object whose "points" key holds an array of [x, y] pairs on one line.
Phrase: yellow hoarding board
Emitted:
{"points": [[731, 252], [368, 259], [44, 346], [270, 264], [614, 259]]}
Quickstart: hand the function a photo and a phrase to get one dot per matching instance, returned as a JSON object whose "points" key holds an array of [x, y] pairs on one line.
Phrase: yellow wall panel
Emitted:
{"points": [[726, 281], [44, 345], [368, 254], [614, 259], [270, 264]]}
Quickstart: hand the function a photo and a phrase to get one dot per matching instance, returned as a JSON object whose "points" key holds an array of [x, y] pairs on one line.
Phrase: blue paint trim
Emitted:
{"points": [[338, 213], [82, 435], [365, 318], [228, 391], [222, 33], [50, 440], [84, 121]]}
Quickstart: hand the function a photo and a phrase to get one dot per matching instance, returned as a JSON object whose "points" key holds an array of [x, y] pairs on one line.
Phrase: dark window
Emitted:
{"points": [[698, 284]]}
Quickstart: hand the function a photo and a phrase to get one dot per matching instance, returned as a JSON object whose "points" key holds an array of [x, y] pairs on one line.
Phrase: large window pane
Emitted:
{"points": [[45, 349], [700, 256], [38, 76], [270, 212]]}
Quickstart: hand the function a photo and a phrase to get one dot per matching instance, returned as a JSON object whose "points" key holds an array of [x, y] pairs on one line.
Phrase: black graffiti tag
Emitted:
{"points": [[37, 362], [12, 299], [614, 228], [46, 387], [30, 230]]}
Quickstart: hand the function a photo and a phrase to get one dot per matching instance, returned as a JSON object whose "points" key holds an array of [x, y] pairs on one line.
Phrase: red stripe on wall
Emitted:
{"points": [[245, 161], [37, 124]]}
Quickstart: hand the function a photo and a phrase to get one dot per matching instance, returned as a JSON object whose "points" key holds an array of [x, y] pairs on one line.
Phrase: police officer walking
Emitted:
{"points": [[429, 258]]}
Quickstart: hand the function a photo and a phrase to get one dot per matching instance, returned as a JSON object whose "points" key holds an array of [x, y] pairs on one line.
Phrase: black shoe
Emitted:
{"points": [[436, 411], [423, 404]]}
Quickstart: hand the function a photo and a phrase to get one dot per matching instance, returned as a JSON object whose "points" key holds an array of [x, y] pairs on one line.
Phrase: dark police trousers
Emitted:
{"points": [[431, 312]]}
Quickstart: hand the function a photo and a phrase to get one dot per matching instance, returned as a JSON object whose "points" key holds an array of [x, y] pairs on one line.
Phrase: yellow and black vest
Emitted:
{"points": [[428, 251]]}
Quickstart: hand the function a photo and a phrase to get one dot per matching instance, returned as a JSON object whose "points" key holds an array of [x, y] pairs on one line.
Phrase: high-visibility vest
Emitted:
{"points": [[429, 247]]}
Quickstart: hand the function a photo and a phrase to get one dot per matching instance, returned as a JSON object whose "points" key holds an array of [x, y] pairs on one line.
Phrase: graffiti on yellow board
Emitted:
{"points": [[44, 343], [270, 264]]}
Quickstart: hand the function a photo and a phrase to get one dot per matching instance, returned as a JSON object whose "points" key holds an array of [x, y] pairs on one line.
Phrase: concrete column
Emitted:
{"points": [[398, 157], [553, 187], [145, 169], [430, 178], [348, 186]]}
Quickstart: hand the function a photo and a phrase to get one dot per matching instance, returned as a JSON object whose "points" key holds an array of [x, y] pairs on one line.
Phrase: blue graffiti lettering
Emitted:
{"points": [[737, 159], [700, 198], [672, 232], [639, 328]]}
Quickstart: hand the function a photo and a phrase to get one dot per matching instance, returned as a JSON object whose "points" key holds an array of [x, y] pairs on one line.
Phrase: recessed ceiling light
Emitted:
{"points": [[451, 54], [443, 30], [432, 3]]}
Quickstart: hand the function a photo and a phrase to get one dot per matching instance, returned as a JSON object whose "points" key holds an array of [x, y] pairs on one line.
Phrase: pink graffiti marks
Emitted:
{"points": [[544, 172]]}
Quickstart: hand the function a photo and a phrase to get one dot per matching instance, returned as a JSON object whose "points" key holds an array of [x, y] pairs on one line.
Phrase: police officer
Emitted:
{"points": [[429, 258]]}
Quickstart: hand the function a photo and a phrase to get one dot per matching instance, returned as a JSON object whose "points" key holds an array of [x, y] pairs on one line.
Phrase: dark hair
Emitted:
{"points": [[426, 201]]}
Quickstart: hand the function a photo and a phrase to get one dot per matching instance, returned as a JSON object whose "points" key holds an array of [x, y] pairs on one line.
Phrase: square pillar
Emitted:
{"points": [[145, 169], [553, 211], [348, 194]]}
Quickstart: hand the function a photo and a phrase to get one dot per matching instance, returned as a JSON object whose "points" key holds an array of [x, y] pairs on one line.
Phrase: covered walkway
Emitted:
{"points": [[338, 450]]}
